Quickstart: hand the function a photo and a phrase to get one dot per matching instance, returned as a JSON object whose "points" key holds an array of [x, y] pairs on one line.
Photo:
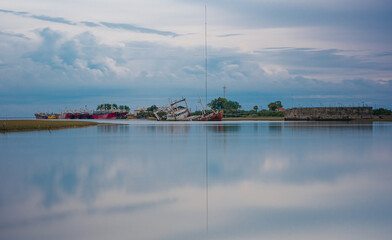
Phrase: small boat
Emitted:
{"points": [[41, 115], [54, 116], [214, 116]]}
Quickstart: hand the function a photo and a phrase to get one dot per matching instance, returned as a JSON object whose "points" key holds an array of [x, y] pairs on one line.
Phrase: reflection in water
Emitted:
{"points": [[249, 180], [225, 128], [110, 128], [275, 129]]}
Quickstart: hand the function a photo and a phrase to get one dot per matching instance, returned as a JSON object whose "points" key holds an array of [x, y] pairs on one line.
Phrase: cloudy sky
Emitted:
{"points": [[68, 53]]}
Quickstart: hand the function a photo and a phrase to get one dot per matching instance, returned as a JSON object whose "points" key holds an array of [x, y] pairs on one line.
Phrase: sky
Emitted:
{"points": [[313, 53]]}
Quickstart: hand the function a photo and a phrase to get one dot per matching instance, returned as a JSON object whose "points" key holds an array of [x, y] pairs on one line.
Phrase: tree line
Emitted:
{"points": [[233, 109], [230, 109], [107, 106]]}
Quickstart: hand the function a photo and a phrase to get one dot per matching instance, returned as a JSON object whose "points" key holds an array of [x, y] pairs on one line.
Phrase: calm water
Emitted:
{"points": [[147, 180]]}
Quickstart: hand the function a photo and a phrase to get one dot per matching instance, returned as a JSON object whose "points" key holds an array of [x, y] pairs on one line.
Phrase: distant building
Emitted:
{"points": [[329, 113], [281, 109], [138, 110]]}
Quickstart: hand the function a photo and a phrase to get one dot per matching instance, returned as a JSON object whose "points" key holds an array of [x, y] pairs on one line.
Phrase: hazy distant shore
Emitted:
{"points": [[253, 118], [40, 125]]}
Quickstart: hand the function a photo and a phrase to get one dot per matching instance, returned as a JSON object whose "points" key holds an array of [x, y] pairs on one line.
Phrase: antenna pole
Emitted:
{"points": [[205, 49], [205, 52]]}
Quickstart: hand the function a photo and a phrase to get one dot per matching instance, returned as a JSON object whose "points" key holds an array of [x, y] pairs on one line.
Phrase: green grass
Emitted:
{"points": [[36, 125]]}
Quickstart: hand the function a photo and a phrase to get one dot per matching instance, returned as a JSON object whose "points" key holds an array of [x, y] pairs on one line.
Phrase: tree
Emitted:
{"points": [[124, 107], [152, 108], [223, 103], [217, 103], [382, 111], [256, 108], [275, 105], [144, 114], [105, 106]]}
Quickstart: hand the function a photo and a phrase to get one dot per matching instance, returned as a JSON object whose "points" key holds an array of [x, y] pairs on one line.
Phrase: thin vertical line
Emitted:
{"points": [[205, 53], [205, 48], [206, 179]]}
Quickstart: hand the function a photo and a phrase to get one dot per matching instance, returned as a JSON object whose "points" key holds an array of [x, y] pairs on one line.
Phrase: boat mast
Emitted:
{"points": [[205, 49]]}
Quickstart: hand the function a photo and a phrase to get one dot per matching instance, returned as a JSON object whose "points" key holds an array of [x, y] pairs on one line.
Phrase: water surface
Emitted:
{"points": [[148, 180]]}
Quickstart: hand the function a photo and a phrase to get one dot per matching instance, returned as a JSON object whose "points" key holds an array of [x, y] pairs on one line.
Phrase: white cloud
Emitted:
{"points": [[273, 164]]}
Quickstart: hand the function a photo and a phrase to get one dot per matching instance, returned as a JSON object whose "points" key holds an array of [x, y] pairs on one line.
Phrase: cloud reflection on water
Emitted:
{"points": [[267, 180]]}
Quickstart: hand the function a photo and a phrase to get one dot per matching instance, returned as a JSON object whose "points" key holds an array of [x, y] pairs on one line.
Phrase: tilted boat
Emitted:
{"points": [[179, 113], [214, 116]]}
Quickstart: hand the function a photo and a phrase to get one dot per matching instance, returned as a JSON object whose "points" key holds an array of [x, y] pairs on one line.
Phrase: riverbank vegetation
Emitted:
{"points": [[107, 106], [382, 112], [232, 109], [36, 125]]}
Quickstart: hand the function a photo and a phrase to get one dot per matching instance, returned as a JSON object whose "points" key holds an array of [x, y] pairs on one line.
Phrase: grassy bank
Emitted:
{"points": [[36, 125]]}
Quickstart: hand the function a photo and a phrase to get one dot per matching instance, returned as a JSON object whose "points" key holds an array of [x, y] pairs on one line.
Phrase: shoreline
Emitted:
{"points": [[7, 126], [40, 125], [253, 119]]}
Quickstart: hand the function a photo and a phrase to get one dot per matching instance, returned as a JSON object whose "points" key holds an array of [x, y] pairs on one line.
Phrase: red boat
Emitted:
{"points": [[66, 116], [41, 116], [122, 114], [84, 115], [214, 116], [104, 115], [76, 115]]}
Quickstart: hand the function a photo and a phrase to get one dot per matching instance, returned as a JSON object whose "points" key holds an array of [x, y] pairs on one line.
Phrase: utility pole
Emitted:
{"points": [[224, 91]]}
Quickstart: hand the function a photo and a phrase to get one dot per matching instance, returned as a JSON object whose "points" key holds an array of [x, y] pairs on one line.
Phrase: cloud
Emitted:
{"points": [[133, 28], [317, 58], [79, 53], [18, 35], [53, 19], [60, 62], [72, 213], [6, 11], [333, 65], [90, 24], [39, 17], [229, 35], [284, 13], [162, 71], [124, 26]]}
